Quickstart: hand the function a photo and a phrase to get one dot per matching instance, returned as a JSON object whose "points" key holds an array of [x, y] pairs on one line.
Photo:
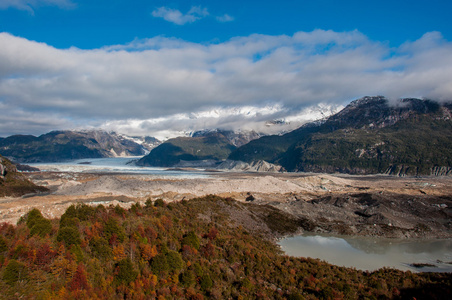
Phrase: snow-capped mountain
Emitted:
{"points": [[263, 120], [147, 142]]}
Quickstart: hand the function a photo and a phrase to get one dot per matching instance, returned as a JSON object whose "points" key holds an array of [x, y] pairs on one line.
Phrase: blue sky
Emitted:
{"points": [[93, 24], [145, 67]]}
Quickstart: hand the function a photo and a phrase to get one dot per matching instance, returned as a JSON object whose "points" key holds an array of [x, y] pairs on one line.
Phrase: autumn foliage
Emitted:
{"points": [[172, 251]]}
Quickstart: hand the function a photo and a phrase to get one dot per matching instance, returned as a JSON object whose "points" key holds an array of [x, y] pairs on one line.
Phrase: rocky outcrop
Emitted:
{"points": [[255, 166], [14, 183], [203, 163], [375, 213], [2, 169], [442, 171], [5, 167], [27, 168], [406, 170]]}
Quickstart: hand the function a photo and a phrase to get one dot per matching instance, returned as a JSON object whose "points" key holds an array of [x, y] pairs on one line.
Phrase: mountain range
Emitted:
{"points": [[370, 135], [58, 146]]}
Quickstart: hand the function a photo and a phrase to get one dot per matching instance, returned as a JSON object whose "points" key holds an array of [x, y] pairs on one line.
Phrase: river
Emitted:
{"points": [[364, 253]]}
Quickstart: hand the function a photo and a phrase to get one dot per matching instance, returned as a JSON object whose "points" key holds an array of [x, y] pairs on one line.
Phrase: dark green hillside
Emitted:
{"points": [[54, 146], [416, 145], [270, 148], [213, 146], [13, 183], [66, 145], [411, 137], [18, 139], [195, 249]]}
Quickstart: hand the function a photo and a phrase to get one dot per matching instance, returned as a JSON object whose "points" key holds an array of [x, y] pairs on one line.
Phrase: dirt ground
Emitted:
{"points": [[358, 205]]}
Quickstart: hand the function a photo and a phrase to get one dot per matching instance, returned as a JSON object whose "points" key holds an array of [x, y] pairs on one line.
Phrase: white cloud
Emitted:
{"points": [[169, 78], [30, 5], [176, 17], [244, 118], [225, 18]]}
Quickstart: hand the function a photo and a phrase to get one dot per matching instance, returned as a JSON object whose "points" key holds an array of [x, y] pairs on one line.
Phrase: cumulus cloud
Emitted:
{"points": [[175, 16], [164, 78], [30, 5]]}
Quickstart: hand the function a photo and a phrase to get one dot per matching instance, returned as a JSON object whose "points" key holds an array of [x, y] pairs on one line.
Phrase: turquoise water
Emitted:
{"points": [[373, 253]]}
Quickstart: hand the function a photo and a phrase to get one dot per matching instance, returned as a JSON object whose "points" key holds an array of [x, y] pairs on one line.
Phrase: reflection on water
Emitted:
{"points": [[373, 253]]}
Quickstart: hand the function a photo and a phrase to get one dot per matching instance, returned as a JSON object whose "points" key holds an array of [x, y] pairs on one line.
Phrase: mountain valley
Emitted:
{"points": [[83, 234], [371, 135]]}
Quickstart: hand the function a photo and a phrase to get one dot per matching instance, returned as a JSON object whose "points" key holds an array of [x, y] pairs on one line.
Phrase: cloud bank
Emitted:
{"points": [[43, 88]]}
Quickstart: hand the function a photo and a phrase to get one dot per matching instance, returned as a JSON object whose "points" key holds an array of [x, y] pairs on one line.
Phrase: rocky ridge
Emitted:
{"points": [[255, 166]]}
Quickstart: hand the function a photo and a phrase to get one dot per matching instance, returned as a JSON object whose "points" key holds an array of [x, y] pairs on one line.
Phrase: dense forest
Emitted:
{"points": [[185, 250]]}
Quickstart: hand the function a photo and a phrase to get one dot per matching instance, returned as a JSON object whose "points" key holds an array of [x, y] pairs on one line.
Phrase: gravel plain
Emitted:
{"points": [[376, 205]]}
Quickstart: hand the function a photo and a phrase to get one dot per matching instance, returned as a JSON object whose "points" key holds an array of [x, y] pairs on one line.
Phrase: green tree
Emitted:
{"points": [[206, 282], [100, 248], [159, 264], [15, 271], [174, 259], [3, 244], [41, 227], [112, 228], [192, 240], [187, 278], [159, 203], [124, 272], [33, 216], [37, 224], [69, 235]]}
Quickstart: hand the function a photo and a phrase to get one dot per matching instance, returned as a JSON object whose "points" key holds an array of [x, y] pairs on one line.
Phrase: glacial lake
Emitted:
{"points": [[369, 254], [115, 165]]}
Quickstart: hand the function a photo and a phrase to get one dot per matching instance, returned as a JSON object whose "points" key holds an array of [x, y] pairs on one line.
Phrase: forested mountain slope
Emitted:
{"points": [[202, 248], [66, 145], [214, 146], [370, 135]]}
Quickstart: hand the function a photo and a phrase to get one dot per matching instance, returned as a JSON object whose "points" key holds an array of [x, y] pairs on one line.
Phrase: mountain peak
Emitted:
{"points": [[378, 112], [370, 135], [368, 100]]}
